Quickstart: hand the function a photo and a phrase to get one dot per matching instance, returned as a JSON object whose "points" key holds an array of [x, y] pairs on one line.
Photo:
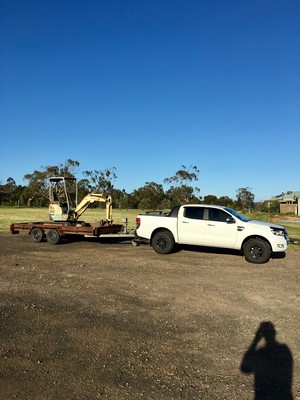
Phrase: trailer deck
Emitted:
{"points": [[54, 231]]}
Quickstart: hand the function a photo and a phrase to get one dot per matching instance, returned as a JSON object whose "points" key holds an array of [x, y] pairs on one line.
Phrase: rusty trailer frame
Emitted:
{"points": [[54, 231]]}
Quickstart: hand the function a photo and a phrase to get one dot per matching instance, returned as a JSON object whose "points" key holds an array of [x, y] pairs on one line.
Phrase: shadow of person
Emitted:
{"points": [[271, 363]]}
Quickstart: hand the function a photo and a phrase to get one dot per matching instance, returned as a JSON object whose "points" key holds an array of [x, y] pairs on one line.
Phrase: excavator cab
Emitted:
{"points": [[63, 193]]}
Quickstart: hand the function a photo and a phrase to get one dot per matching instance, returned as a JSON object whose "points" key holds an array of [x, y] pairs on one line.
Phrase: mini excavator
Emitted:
{"points": [[63, 206]]}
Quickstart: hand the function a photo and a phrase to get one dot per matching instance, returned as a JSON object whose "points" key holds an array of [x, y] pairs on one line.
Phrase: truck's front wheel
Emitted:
{"points": [[257, 251], [163, 242]]}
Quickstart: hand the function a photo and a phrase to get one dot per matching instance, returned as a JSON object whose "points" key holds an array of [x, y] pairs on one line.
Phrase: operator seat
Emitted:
{"points": [[64, 208], [55, 197]]}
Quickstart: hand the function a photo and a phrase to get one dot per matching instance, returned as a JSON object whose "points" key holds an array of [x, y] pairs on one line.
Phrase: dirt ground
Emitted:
{"points": [[91, 320]]}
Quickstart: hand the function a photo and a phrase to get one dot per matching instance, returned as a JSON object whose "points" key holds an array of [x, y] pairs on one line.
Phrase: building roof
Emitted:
{"points": [[288, 196]]}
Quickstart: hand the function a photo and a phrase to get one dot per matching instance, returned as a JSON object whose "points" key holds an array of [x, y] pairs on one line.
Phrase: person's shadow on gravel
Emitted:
{"points": [[271, 363]]}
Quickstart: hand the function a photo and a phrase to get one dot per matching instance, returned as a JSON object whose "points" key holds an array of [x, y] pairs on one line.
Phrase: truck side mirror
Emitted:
{"points": [[230, 220]]}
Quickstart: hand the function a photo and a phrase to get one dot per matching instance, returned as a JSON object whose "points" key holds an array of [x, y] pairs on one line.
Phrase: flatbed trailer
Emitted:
{"points": [[53, 232]]}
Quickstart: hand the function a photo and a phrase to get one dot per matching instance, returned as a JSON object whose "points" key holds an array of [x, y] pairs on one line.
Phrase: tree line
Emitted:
{"points": [[181, 189]]}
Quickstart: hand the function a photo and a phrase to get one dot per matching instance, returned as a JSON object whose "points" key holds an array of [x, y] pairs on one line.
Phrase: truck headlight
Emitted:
{"points": [[278, 231]]}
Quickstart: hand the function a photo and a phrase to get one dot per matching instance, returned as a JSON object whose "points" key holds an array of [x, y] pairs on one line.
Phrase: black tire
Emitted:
{"points": [[53, 236], [257, 251], [163, 242], [37, 235]]}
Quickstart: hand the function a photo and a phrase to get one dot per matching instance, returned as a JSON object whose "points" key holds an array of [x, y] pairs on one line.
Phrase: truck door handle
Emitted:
{"points": [[185, 222], [210, 225]]}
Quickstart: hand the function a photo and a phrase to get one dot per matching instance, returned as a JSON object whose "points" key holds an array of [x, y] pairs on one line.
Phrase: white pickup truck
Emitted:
{"points": [[212, 226]]}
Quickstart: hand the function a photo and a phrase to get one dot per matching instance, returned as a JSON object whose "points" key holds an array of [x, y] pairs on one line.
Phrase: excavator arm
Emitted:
{"points": [[91, 198]]}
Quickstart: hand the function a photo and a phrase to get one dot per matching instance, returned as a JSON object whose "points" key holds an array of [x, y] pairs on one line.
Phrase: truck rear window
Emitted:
{"points": [[193, 212]]}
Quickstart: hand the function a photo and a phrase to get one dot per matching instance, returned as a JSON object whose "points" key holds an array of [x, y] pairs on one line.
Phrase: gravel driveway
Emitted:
{"points": [[92, 320]]}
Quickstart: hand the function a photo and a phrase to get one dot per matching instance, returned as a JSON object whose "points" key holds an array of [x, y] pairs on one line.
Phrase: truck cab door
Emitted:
{"points": [[191, 225], [221, 229]]}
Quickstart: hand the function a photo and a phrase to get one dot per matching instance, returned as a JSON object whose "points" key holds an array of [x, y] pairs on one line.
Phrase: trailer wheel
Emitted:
{"points": [[53, 236], [37, 235]]}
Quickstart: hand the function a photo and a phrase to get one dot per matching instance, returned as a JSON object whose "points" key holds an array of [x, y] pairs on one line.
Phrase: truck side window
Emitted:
{"points": [[217, 215], [193, 212]]}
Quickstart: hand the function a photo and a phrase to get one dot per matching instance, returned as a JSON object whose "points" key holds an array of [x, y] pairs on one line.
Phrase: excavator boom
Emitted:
{"points": [[91, 198]]}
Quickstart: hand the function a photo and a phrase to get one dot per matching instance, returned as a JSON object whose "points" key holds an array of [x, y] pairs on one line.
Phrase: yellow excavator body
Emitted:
{"points": [[60, 206]]}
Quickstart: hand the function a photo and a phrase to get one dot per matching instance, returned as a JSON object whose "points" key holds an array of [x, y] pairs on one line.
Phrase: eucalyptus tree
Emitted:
{"points": [[181, 189], [245, 197], [38, 182], [149, 196], [101, 181]]}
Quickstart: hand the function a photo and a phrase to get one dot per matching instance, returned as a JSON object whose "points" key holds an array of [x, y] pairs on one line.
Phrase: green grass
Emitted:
{"points": [[10, 215], [293, 229]]}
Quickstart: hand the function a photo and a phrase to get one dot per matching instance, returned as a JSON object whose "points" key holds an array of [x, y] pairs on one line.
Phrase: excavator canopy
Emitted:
{"points": [[63, 208]]}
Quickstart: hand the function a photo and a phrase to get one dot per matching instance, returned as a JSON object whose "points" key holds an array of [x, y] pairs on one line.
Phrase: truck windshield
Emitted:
{"points": [[237, 215]]}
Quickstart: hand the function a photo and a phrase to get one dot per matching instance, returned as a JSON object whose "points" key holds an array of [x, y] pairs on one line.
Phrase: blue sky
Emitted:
{"points": [[145, 86]]}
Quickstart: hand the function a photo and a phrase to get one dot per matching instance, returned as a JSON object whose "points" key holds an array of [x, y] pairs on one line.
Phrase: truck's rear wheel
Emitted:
{"points": [[53, 236], [163, 242], [37, 235], [257, 251]]}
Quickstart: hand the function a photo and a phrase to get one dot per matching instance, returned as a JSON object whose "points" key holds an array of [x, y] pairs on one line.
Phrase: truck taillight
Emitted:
{"points": [[138, 223]]}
